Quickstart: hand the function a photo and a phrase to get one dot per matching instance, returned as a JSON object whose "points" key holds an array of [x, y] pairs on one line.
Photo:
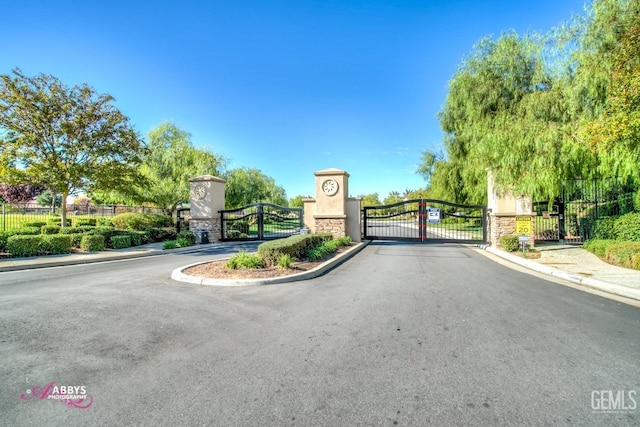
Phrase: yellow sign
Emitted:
{"points": [[523, 225]]}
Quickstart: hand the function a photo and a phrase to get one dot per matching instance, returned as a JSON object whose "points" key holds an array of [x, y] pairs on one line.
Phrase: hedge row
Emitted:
{"points": [[297, 246], [28, 242], [623, 228], [32, 245], [625, 254]]}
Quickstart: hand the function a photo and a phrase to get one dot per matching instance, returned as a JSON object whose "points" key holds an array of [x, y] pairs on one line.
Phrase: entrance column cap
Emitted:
{"points": [[331, 171], [206, 178]]}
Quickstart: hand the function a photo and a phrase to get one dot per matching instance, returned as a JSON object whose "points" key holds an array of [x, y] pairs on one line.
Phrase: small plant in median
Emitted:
{"points": [[245, 260], [285, 261]]}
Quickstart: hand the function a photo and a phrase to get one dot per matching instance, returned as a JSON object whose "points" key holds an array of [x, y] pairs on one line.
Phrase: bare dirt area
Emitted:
{"points": [[219, 270]]}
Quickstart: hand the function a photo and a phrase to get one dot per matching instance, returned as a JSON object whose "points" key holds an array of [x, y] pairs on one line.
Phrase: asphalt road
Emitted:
{"points": [[402, 334]]}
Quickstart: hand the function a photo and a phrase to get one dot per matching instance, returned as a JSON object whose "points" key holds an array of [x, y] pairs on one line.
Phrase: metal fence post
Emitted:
{"points": [[260, 222]]}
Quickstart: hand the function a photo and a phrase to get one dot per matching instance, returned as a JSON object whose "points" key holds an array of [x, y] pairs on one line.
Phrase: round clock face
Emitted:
{"points": [[199, 192], [330, 187]]}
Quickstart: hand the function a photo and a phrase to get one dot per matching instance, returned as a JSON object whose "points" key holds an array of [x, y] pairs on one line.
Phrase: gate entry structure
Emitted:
{"points": [[260, 221], [427, 221]]}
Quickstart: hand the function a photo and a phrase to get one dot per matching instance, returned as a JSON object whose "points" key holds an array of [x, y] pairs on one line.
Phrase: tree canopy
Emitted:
{"points": [[63, 138], [249, 185], [538, 110], [168, 164]]}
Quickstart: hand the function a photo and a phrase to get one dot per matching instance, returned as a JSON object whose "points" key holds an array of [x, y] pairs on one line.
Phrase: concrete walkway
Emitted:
{"points": [[566, 262]]}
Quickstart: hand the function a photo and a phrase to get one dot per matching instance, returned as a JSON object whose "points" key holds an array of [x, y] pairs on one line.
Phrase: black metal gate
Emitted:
{"points": [[182, 218], [571, 216], [425, 220], [260, 221]]}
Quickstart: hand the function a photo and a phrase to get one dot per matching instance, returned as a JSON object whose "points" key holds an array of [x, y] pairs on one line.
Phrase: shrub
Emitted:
{"points": [[245, 260], [137, 237], [24, 245], [598, 246], [323, 249], [510, 243], [58, 221], [187, 235], [103, 221], [161, 234], [92, 243], [4, 235], [121, 242], [106, 232], [34, 223], [285, 261], [77, 229], [25, 231], [170, 244], [344, 241], [604, 228], [297, 246], [627, 227], [626, 254], [76, 238], [55, 244], [140, 222], [50, 229], [183, 243], [80, 221]]}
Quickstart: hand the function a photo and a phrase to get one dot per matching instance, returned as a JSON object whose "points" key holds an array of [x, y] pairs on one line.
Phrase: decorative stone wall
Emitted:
{"points": [[212, 225], [335, 226]]}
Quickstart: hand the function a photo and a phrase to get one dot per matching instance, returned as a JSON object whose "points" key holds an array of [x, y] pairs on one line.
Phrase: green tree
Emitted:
{"points": [[393, 197], [249, 185], [46, 199], [372, 199], [65, 138], [170, 161], [296, 202]]}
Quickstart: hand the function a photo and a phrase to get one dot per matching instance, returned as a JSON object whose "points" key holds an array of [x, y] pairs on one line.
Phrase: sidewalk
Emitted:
{"points": [[577, 265]]}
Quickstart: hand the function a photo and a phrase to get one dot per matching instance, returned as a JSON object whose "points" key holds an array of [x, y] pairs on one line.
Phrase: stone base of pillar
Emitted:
{"points": [[335, 226], [505, 225], [212, 225]]}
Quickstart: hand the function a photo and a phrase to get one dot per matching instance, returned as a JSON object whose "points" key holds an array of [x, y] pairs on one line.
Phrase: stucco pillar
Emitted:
{"points": [[508, 214], [207, 200]]}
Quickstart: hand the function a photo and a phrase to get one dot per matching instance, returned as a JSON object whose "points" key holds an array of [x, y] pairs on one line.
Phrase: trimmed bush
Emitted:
{"points": [[58, 221], [297, 246], [55, 244], [510, 243], [103, 221], [77, 229], [136, 237], [140, 222], [24, 231], [92, 243], [161, 234], [4, 235], [80, 221], [34, 223], [187, 235], [24, 245], [50, 229], [121, 242], [76, 238]]}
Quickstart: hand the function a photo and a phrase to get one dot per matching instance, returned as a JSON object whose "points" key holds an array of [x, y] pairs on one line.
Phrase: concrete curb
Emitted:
{"points": [[588, 282], [17, 264], [179, 276]]}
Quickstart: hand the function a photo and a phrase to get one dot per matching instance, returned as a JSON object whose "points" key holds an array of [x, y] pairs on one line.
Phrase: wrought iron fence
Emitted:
{"points": [[261, 221], [572, 215], [15, 214]]}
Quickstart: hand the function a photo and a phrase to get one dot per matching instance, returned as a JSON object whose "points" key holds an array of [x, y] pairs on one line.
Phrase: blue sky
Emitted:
{"points": [[286, 86]]}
